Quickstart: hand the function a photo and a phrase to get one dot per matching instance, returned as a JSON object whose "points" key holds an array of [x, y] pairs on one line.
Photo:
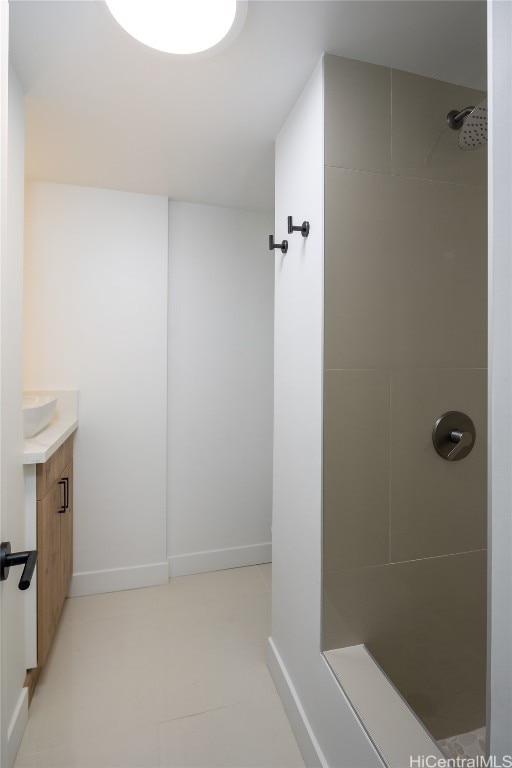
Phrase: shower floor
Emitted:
{"points": [[470, 745]]}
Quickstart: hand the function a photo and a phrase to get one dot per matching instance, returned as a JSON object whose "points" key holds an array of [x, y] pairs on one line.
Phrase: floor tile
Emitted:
{"points": [[249, 735], [203, 587], [213, 655], [109, 604], [101, 676], [190, 656], [137, 748]]}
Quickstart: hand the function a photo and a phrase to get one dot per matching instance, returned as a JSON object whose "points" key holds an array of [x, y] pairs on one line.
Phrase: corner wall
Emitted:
{"points": [[220, 388], [96, 320], [324, 723]]}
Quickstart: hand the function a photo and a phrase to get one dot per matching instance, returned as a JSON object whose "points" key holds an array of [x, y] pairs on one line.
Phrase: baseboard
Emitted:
{"points": [[117, 579], [220, 559], [17, 726], [308, 745]]}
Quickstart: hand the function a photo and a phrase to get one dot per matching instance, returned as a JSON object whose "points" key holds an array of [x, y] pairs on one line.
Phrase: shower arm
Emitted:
{"points": [[455, 119]]}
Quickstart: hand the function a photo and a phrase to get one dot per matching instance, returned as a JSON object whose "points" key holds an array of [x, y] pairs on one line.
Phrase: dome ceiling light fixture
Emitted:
{"points": [[180, 27]]}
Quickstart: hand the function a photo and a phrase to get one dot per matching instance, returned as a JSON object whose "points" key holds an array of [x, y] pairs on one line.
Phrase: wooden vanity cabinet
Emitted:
{"points": [[54, 542]]}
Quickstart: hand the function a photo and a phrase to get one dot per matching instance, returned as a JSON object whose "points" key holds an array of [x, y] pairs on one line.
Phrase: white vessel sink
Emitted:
{"points": [[37, 413]]}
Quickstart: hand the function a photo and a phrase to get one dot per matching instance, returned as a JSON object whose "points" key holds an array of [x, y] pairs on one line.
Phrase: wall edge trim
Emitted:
{"points": [[300, 725]]}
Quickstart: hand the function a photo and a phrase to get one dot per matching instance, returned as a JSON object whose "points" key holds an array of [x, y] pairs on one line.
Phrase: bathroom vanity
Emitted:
{"points": [[48, 470]]}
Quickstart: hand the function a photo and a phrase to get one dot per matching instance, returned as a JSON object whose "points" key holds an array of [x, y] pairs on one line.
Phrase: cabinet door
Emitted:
{"points": [[66, 534], [48, 569]]}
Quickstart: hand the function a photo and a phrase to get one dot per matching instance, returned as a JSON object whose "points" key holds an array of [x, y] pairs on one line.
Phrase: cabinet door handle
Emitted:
{"points": [[65, 482]]}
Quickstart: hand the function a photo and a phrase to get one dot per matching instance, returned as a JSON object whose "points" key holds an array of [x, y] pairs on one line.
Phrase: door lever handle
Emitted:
{"points": [[28, 559], [461, 440]]}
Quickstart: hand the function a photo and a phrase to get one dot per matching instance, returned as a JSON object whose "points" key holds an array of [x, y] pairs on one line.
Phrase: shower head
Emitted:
{"points": [[471, 123]]}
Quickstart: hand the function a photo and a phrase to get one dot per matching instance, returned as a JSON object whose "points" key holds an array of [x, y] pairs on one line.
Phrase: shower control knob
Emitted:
{"points": [[461, 440], [453, 435]]}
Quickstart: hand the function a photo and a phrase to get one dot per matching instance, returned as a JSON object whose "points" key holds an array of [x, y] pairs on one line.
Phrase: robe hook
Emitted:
{"points": [[303, 229], [272, 245]]}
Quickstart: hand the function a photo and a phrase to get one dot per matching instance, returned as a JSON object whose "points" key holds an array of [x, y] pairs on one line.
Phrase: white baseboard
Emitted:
{"points": [[308, 745], [220, 559], [117, 579], [17, 726]]}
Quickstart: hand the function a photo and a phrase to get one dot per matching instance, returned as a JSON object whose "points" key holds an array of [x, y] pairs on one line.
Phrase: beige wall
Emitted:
{"points": [[405, 340]]}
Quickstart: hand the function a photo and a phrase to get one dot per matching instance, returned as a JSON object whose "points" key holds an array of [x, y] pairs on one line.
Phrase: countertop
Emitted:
{"points": [[39, 448]]}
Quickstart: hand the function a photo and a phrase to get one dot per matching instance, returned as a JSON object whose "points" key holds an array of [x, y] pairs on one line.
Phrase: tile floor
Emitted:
{"points": [[466, 746], [171, 676]]}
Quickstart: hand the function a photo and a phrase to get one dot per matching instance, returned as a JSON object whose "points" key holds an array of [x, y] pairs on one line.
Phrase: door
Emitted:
{"points": [[14, 699], [4, 18]]}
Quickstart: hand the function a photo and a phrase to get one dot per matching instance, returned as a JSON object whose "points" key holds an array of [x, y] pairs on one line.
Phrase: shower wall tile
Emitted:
{"points": [[357, 115], [423, 145], [405, 273], [359, 263], [356, 469], [425, 624], [437, 507], [405, 339]]}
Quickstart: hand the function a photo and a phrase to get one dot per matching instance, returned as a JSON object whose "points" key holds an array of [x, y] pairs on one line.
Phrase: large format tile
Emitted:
{"points": [[108, 605], [437, 507], [425, 624], [136, 748], [248, 735], [101, 677], [359, 263], [357, 114], [213, 655], [405, 273], [126, 661], [424, 146], [204, 587], [356, 469]]}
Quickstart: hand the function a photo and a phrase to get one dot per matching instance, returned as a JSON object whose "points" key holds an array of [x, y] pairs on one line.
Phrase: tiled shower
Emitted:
{"points": [[405, 340]]}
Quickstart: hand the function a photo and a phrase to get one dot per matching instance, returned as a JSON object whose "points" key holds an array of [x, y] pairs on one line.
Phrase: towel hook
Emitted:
{"points": [[272, 245], [303, 229]]}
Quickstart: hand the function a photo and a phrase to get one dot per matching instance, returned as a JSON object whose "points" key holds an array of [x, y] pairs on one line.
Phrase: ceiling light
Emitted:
{"points": [[178, 26]]}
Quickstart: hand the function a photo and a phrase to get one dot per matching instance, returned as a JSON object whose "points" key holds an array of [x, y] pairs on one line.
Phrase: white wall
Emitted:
{"points": [[14, 705], [325, 725], [500, 382], [96, 320], [220, 388]]}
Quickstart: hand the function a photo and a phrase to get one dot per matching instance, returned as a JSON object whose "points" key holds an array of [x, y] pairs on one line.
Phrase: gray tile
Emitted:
{"points": [[357, 114], [356, 469], [405, 273], [437, 507], [424, 622], [359, 259], [423, 145]]}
